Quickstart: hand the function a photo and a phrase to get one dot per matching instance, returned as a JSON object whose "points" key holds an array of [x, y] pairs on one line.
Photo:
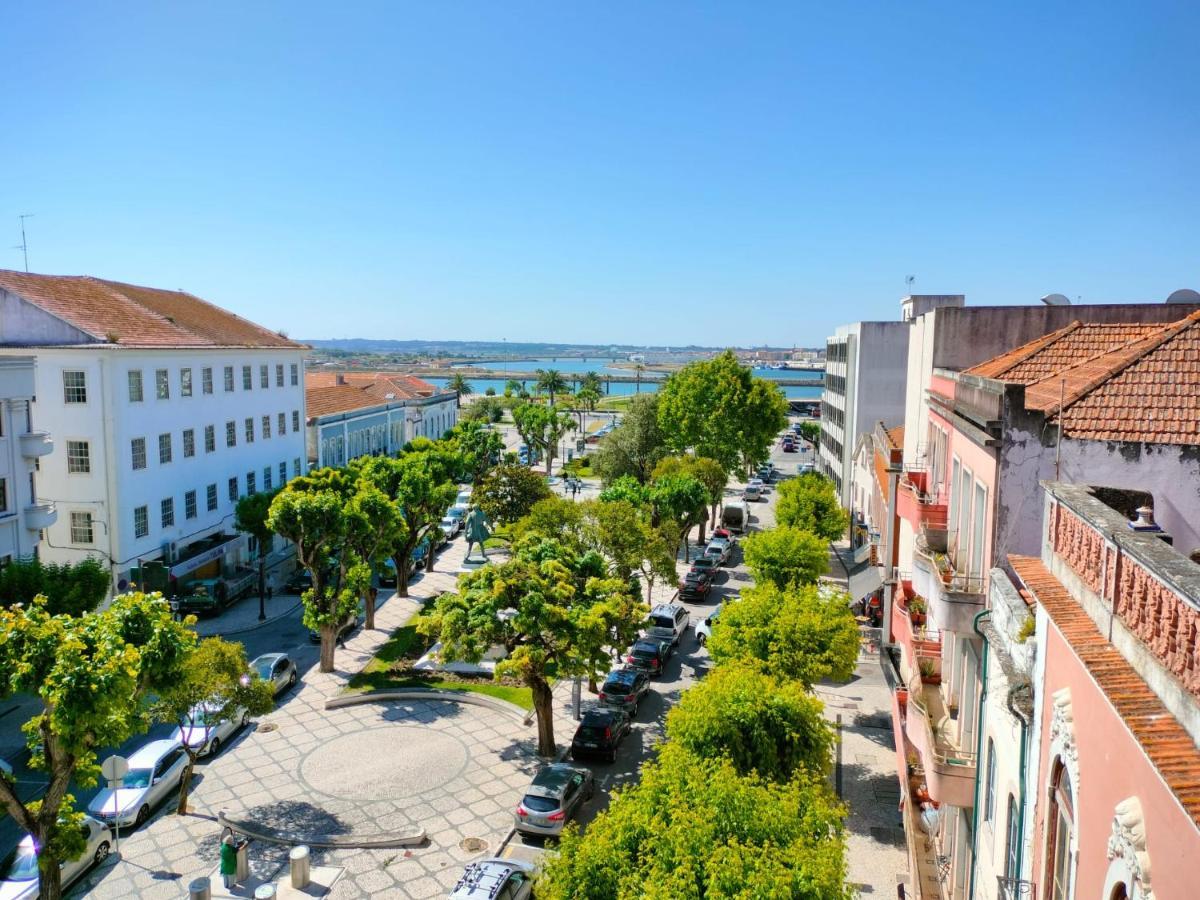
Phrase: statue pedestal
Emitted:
{"points": [[471, 563]]}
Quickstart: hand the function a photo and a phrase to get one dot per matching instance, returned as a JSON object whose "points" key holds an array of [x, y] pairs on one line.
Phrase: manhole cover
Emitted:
{"points": [[473, 844], [268, 727]]}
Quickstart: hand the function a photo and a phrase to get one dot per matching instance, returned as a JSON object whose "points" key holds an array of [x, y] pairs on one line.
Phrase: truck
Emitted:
{"points": [[735, 515]]}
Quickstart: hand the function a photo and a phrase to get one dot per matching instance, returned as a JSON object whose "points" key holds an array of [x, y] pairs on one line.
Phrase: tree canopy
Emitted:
{"points": [[635, 446], [786, 556], [550, 382], [542, 427], [69, 588], [804, 633], [509, 492], [810, 502]]}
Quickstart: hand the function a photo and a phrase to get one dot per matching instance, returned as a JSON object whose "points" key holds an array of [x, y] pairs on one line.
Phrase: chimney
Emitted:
{"points": [[1145, 524], [341, 378]]}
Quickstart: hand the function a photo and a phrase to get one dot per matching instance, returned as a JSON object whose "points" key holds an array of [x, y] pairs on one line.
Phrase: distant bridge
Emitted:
{"points": [[573, 378]]}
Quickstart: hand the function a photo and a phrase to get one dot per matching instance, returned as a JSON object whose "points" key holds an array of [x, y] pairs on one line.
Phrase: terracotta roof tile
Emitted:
{"points": [[895, 437], [1164, 741], [1070, 345], [324, 395], [133, 316]]}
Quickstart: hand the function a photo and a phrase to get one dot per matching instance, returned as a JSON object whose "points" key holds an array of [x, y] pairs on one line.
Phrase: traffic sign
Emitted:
{"points": [[114, 768]]}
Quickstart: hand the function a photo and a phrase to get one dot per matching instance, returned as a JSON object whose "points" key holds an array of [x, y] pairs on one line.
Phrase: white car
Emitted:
{"points": [[463, 498], [752, 492], [495, 879], [451, 526], [155, 771], [19, 870], [704, 629], [204, 731]]}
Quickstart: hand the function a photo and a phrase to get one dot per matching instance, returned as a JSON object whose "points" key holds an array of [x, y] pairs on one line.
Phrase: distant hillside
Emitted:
{"points": [[492, 348]]}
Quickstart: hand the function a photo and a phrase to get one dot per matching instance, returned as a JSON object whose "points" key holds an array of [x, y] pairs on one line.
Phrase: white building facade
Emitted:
{"points": [[158, 442], [22, 514]]}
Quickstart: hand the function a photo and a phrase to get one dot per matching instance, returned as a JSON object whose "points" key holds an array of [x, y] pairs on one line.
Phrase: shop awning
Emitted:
{"points": [[864, 581], [192, 563]]}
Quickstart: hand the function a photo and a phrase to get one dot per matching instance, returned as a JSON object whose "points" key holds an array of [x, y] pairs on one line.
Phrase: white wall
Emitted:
{"points": [[16, 392]]}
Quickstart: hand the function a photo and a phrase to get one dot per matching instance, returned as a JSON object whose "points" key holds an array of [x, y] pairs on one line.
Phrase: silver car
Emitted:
{"points": [[205, 730], [19, 870], [451, 526], [495, 879], [555, 794], [155, 771], [277, 668]]}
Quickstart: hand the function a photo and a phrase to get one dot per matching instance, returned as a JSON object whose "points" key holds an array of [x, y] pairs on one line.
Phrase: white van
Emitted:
{"points": [[735, 516]]}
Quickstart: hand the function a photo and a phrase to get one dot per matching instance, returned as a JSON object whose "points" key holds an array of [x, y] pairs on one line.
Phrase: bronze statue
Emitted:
{"points": [[477, 531]]}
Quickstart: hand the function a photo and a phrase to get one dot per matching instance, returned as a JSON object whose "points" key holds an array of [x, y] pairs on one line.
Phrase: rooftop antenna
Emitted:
{"points": [[908, 282], [24, 245]]}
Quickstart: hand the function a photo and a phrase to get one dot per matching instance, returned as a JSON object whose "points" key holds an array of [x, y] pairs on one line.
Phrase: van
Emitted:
{"points": [[752, 492], [735, 516], [668, 622]]}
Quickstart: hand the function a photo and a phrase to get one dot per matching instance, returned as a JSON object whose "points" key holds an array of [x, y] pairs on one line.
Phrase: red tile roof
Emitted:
{"points": [[327, 393], [1053, 352], [895, 437], [1164, 741], [133, 316]]}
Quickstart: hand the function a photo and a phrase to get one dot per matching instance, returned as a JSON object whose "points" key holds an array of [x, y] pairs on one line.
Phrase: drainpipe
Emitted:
{"points": [[1021, 772], [983, 683]]}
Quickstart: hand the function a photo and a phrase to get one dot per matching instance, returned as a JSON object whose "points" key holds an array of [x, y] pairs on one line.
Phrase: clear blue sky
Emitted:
{"points": [[655, 173]]}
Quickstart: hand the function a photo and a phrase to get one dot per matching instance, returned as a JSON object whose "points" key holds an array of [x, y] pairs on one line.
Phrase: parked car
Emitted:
{"points": [[451, 526], [300, 582], [752, 492], [720, 550], [155, 771], [789, 446], [668, 622], [704, 566], [695, 586], [724, 534], [650, 655], [495, 879], [458, 511], [704, 629], [19, 870], [348, 625], [599, 734], [205, 731], [555, 794], [624, 689], [463, 498], [735, 516], [277, 668], [387, 574]]}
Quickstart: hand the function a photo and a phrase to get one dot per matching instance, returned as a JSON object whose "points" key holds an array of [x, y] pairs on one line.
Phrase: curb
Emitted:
{"points": [[466, 697], [326, 841]]}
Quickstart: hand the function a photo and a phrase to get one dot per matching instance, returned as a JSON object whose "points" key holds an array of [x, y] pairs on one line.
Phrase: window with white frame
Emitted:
{"points": [[978, 531], [211, 493], [264, 377], [189, 505], [164, 448], [249, 429], [233, 490], [81, 527], [296, 467], [210, 438], [228, 379], [206, 385], [279, 375], [135, 386], [989, 796], [141, 521], [137, 453], [74, 386], [251, 483], [189, 442], [79, 457], [295, 420], [162, 384], [231, 434], [266, 427], [282, 473], [247, 378], [3, 495], [167, 508], [295, 374], [282, 424], [185, 382], [266, 478]]}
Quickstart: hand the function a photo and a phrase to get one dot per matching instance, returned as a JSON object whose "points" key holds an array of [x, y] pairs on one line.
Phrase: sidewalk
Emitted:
{"points": [[243, 615]]}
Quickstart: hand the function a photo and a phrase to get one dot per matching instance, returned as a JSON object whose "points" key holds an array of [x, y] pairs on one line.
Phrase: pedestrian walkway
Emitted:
{"points": [[243, 615]]}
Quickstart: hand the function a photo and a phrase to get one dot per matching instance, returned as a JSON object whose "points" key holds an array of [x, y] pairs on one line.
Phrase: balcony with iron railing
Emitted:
{"points": [[953, 594], [933, 731], [919, 502]]}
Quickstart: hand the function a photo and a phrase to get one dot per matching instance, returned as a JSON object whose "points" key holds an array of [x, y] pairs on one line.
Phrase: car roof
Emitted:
{"points": [[484, 878], [151, 752], [648, 644], [666, 608], [268, 658], [599, 713], [551, 781], [623, 675]]}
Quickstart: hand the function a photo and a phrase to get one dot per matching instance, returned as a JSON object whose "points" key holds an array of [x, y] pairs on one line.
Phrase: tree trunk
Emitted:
{"points": [[713, 522], [543, 705], [369, 603], [701, 527], [328, 645], [50, 878], [430, 555], [185, 783], [401, 563]]}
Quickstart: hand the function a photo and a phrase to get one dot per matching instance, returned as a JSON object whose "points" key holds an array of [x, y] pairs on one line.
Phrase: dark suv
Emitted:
{"points": [[624, 689], [599, 734], [650, 655]]}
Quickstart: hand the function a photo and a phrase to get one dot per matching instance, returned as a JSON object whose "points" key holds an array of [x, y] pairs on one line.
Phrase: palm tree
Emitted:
{"points": [[459, 384], [639, 368], [513, 387], [591, 380], [552, 382]]}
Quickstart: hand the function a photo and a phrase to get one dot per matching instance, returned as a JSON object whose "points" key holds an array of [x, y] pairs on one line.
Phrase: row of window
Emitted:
{"points": [[137, 448], [75, 381], [166, 510]]}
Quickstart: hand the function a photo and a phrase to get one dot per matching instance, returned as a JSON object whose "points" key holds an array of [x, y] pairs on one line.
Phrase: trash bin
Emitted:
{"points": [[298, 860], [199, 889], [243, 861]]}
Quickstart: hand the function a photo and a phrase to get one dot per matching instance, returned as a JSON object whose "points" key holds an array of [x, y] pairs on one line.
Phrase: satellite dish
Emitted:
{"points": [[1184, 295], [1056, 300]]}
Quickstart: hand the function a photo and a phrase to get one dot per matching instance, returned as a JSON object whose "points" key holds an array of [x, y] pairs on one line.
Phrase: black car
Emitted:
{"points": [[624, 689], [599, 733], [650, 655], [704, 567], [695, 587], [348, 625]]}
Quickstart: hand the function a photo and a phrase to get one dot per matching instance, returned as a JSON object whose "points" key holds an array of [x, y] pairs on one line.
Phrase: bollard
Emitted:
{"points": [[299, 862], [199, 889], [264, 892]]}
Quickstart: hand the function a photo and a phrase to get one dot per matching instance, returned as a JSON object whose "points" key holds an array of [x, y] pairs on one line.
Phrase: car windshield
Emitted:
{"points": [[20, 865], [592, 732], [702, 563], [136, 778], [643, 652], [617, 687], [263, 670], [448, 521], [534, 803], [662, 622]]}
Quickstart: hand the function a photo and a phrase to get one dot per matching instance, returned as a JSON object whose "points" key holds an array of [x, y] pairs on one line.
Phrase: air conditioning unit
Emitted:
{"points": [[170, 551]]}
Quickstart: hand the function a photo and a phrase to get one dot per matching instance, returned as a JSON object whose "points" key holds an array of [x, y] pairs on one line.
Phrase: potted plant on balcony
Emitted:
{"points": [[929, 672], [916, 610], [945, 570]]}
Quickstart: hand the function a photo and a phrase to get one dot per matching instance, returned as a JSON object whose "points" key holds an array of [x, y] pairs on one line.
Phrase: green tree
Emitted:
{"points": [[682, 501], [804, 633], [459, 384], [485, 410], [762, 724], [786, 556], [622, 532], [92, 676], [718, 409], [707, 471], [563, 518], [250, 517], [591, 381], [479, 447], [509, 492], [541, 427], [811, 432], [635, 446], [213, 685], [550, 382], [694, 827], [628, 489], [70, 588], [310, 512], [810, 502], [374, 529], [535, 607], [512, 388]]}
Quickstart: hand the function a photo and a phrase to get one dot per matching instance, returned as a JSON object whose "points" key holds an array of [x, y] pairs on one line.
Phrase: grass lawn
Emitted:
{"points": [[581, 468], [617, 403], [390, 669]]}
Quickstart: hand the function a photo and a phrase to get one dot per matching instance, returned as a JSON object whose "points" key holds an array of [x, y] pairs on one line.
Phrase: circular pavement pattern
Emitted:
{"points": [[384, 763]]}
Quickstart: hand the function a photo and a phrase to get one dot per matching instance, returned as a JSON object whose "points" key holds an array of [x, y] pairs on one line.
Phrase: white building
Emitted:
{"points": [[353, 414], [168, 410], [22, 514]]}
